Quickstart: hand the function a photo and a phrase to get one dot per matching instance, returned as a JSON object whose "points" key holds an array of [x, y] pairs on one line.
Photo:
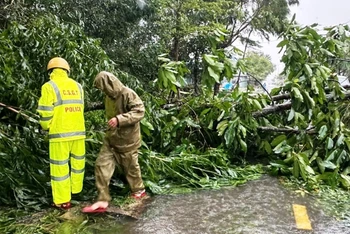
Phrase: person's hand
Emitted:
{"points": [[113, 122]]}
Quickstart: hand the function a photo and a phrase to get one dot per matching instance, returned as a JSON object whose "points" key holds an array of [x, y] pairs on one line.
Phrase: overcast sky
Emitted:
{"points": [[325, 13]]}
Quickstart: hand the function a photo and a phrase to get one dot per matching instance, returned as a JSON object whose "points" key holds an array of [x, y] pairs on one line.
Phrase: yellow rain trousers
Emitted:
{"points": [[61, 108]]}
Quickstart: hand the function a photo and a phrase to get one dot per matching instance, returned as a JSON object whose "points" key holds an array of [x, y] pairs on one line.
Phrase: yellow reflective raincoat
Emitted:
{"points": [[61, 108]]}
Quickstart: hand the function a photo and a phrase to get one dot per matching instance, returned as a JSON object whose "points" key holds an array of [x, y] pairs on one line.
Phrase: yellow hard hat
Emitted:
{"points": [[58, 62]]}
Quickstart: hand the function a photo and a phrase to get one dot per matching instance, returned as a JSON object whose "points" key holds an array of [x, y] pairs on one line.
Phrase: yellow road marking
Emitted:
{"points": [[301, 218]]}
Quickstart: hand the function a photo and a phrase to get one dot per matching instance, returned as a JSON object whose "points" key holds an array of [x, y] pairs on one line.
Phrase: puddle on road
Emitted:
{"points": [[261, 206]]}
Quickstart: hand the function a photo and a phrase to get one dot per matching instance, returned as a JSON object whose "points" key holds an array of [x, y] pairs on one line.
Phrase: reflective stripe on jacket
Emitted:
{"points": [[61, 108]]}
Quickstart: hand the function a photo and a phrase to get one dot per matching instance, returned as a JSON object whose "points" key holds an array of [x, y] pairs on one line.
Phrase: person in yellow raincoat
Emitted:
{"points": [[61, 110], [124, 111]]}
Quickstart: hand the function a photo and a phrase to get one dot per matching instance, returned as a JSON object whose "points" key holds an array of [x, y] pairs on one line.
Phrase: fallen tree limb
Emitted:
{"points": [[272, 109], [275, 129], [287, 130], [287, 95], [287, 105], [280, 97], [92, 106], [19, 112]]}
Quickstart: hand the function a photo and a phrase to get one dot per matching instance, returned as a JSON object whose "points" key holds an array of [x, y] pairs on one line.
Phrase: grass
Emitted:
{"points": [[334, 201]]}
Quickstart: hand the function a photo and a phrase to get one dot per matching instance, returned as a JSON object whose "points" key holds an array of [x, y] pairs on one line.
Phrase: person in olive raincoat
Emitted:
{"points": [[61, 110], [124, 111]]}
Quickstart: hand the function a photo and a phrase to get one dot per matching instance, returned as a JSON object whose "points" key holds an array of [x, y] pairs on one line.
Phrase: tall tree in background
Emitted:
{"points": [[259, 65], [133, 35], [185, 24]]}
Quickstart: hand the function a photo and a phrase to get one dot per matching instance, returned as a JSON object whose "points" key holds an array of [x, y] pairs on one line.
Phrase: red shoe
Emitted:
{"points": [[89, 209], [139, 194], [65, 206], [97, 207]]}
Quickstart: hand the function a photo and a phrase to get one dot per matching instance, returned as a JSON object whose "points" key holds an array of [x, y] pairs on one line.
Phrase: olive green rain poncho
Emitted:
{"points": [[122, 142], [123, 103]]}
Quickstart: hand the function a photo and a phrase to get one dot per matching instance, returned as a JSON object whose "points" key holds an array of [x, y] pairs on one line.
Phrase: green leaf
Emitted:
{"points": [[347, 141], [243, 130], [302, 166], [147, 124], [162, 59], [314, 156], [291, 114], [329, 143], [210, 59], [174, 89], [214, 75], [327, 52], [257, 104], [278, 140], [243, 145], [221, 127], [309, 100], [320, 164], [204, 112], [170, 76], [164, 79], [191, 123], [267, 147], [328, 164], [342, 157], [282, 148], [229, 135], [310, 170], [345, 180], [221, 115], [340, 140], [282, 43], [346, 171], [332, 155], [211, 125], [297, 94], [308, 70], [296, 169], [276, 91], [322, 132], [145, 130]]}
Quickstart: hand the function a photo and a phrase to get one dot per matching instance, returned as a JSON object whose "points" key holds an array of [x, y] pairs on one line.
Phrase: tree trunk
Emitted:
{"points": [[196, 73], [175, 50], [94, 106], [286, 130], [176, 43], [216, 88], [273, 109]]}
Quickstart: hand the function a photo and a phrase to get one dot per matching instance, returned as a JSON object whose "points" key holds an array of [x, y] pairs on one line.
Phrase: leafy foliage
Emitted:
{"points": [[171, 74], [192, 169], [324, 155], [259, 65]]}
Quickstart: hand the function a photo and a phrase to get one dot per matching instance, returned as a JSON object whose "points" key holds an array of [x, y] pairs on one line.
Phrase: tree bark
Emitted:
{"points": [[216, 88], [92, 106], [286, 130], [196, 73], [272, 109]]}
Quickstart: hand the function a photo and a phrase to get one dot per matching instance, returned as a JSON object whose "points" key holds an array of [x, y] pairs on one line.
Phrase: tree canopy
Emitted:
{"points": [[259, 65]]}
